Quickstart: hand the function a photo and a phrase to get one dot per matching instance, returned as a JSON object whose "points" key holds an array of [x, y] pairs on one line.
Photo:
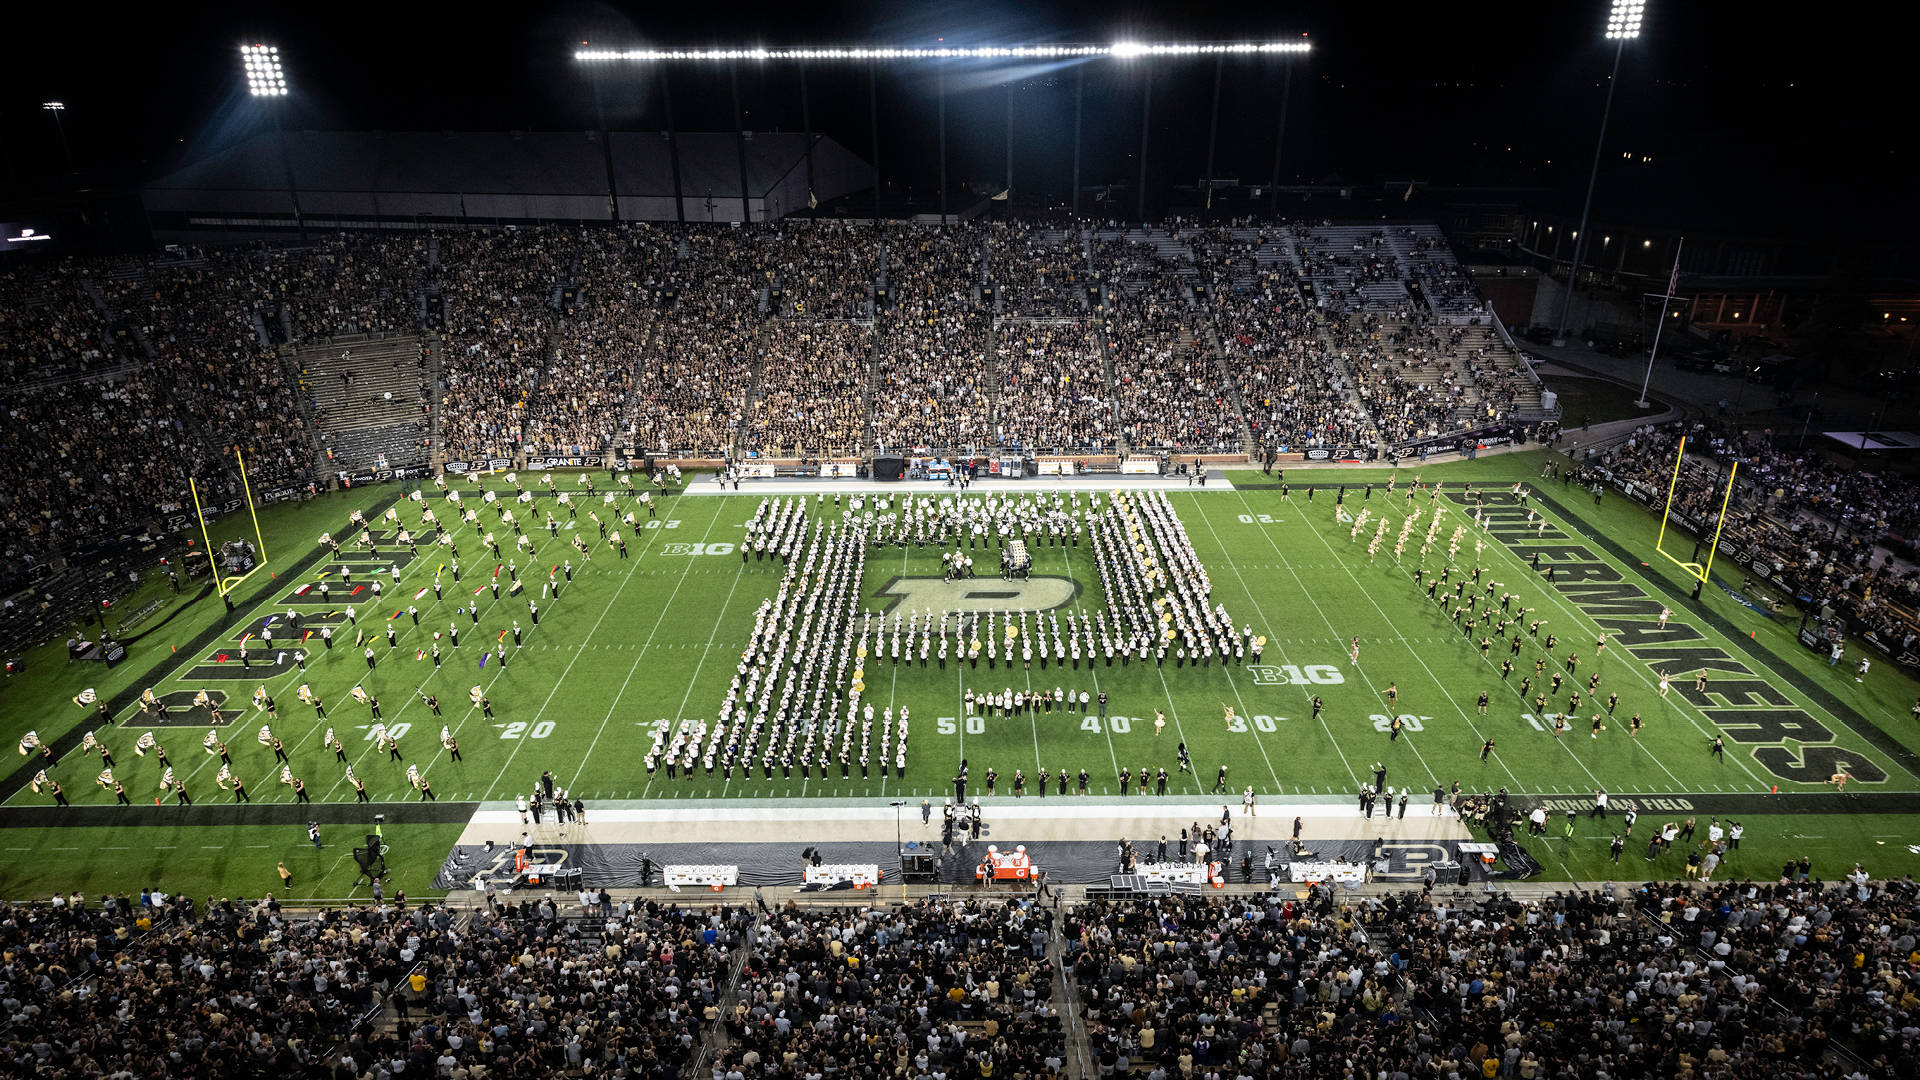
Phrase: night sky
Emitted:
{"points": [[1746, 112]]}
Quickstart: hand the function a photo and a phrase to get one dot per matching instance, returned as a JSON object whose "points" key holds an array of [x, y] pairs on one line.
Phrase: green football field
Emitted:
{"points": [[658, 635]]}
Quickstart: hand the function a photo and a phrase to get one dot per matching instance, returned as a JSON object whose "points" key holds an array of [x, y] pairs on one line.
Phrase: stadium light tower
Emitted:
{"points": [[266, 78], [1623, 25]]}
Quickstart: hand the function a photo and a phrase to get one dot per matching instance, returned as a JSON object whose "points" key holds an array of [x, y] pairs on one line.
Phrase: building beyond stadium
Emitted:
{"points": [[387, 179]]}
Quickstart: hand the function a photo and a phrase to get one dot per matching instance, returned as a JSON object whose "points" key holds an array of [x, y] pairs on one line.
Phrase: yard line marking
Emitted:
{"points": [[1226, 554], [576, 657], [1418, 659], [737, 574]]}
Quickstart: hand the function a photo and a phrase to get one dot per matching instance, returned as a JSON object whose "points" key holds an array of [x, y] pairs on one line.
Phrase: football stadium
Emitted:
{"points": [[877, 571]]}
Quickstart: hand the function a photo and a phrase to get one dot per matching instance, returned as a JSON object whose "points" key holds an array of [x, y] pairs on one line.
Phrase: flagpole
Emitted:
{"points": [[1673, 282]]}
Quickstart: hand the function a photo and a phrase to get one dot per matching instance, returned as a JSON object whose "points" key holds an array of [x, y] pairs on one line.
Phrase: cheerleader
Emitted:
{"points": [[359, 786], [450, 744], [333, 743], [204, 699], [214, 746], [305, 693]]}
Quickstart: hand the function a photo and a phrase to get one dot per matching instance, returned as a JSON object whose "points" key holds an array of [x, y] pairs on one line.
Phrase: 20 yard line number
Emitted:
{"points": [[519, 728]]}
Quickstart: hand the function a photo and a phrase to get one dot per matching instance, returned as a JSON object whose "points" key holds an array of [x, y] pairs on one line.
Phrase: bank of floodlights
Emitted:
{"points": [[265, 77], [1623, 20], [1124, 50]]}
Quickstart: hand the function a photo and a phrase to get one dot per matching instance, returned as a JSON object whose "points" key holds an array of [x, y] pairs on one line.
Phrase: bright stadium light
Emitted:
{"points": [[1125, 50], [265, 76], [1623, 24], [1623, 21]]}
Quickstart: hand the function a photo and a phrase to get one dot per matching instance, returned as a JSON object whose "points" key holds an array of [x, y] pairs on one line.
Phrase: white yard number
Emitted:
{"points": [[1260, 720], [947, 725], [398, 731], [1408, 722], [656, 523], [1249, 519], [518, 728], [1119, 725]]}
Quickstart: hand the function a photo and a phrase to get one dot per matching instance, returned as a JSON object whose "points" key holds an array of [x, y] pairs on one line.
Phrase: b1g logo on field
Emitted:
{"points": [[721, 548], [1290, 675], [977, 594]]}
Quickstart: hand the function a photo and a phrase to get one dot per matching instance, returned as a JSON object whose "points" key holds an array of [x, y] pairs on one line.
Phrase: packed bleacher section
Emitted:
{"points": [[1167, 384], [497, 295], [165, 986], [1036, 272], [350, 283], [1295, 392], [823, 270], [580, 403], [933, 367], [1053, 393], [811, 399], [1735, 980], [1812, 525], [1784, 976], [940, 987]]}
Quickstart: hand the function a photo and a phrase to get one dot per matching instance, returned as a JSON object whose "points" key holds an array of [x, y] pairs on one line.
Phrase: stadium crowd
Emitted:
{"points": [[1796, 978], [164, 986], [1737, 980], [953, 988]]}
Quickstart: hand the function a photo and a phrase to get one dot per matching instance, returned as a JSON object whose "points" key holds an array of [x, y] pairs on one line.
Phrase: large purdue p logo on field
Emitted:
{"points": [[913, 594]]}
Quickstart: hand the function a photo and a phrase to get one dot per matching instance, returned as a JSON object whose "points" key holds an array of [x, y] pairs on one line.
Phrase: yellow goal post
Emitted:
{"points": [[226, 585], [1693, 569]]}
